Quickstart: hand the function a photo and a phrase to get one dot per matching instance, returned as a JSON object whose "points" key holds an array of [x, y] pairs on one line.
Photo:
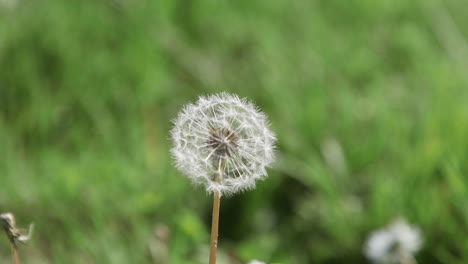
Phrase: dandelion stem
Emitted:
{"points": [[14, 252], [214, 228], [407, 259]]}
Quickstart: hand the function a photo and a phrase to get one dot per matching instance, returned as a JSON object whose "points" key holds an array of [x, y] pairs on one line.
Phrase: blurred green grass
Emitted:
{"points": [[369, 100]]}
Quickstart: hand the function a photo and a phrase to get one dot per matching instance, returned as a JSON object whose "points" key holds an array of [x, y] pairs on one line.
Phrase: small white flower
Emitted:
{"points": [[394, 243], [223, 143]]}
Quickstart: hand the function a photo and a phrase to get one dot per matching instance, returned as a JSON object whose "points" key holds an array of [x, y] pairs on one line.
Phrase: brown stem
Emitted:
{"points": [[407, 259], [15, 254], [214, 228]]}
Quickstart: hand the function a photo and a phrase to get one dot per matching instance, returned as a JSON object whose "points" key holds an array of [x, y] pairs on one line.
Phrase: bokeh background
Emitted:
{"points": [[369, 100]]}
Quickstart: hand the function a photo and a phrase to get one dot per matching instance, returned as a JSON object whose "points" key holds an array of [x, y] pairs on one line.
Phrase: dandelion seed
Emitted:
{"points": [[223, 143], [395, 244]]}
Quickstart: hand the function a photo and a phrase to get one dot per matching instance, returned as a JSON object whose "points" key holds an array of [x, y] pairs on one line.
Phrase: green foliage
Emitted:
{"points": [[369, 100]]}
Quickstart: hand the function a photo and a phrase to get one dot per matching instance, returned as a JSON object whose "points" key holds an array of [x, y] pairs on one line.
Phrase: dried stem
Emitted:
{"points": [[14, 252], [214, 228]]}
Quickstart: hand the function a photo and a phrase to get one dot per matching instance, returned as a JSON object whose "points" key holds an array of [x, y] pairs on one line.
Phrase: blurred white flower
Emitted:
{"points": [[223, 143], [395, 244], [256, 262]]}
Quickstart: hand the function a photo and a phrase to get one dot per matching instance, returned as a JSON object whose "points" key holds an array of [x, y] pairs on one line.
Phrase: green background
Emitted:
{"points": [[369, 101]]}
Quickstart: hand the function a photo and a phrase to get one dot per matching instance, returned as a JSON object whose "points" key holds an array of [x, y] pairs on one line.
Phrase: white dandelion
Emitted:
{"points": [[398, 243], [223, 143]]}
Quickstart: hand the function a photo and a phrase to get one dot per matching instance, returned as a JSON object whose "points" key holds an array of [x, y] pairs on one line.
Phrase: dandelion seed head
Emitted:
{"points": [[389, 245], [222, 142]]}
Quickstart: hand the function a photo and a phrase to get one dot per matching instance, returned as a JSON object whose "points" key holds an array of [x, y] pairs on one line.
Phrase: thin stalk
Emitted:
{"points": [[407, 259], [214, 228], [14, 252]]}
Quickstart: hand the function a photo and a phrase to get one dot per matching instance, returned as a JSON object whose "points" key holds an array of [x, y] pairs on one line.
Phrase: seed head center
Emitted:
{"points": [[223, 142]]}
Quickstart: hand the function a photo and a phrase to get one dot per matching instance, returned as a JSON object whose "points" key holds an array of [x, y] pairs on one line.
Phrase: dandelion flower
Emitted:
{"points": [[395, 244], [222, 142]]}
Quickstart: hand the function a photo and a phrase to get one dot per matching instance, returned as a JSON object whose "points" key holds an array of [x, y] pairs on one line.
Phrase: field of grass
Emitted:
{"points": [[369, 100]]}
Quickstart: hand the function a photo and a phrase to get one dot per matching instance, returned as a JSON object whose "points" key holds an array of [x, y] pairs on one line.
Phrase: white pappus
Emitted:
{"points": [[397, 243], [222, 142]]}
